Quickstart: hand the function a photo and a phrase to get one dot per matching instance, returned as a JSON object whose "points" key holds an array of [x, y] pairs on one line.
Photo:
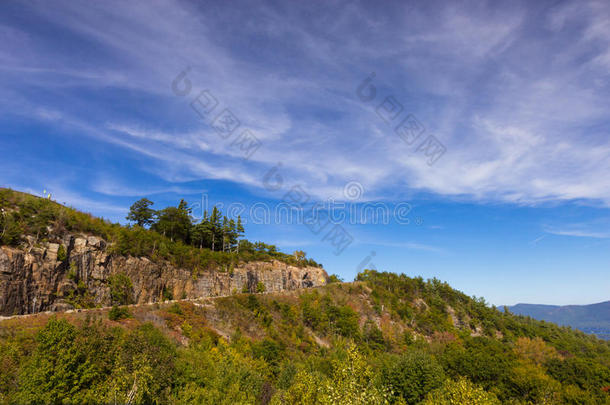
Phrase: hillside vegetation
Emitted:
{"points": [[173, 235], [384, 338]]}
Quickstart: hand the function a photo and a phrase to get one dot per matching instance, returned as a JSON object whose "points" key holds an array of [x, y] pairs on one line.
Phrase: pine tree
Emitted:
{"points": [[215, 227], [239, 230], [232, 234], [225, 232], [141, 213]]}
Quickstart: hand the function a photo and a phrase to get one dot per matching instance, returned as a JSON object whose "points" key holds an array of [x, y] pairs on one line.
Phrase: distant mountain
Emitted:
{"points": [[594, 318]]}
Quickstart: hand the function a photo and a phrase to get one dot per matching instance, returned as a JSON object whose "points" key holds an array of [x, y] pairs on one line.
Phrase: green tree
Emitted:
{"points": [[232, 234], [239, 228], [141, 213], [174, 222], [69, 365], [143, 367], [201, 234], [215, 227], [225, 231], [412, 376]]}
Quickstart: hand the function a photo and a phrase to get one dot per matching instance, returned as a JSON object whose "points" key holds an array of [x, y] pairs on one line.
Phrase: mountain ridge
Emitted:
{"points": [[590, 318]]}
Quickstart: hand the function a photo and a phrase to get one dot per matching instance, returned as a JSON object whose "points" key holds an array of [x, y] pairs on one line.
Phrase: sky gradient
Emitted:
{"points": [[102, 104]]}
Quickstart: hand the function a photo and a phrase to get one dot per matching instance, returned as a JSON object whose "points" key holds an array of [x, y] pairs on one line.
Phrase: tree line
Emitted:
{"points": [[215, 231]]}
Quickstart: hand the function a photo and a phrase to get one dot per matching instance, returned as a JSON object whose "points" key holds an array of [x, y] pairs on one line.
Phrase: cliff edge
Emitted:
{"points": [[79, 273]]}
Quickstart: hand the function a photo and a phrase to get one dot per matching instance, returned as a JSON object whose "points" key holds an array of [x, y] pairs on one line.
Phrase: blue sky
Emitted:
{"points": [[516, 209]]}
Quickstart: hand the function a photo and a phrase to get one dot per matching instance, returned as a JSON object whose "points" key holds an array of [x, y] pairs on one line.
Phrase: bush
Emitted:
{"points": [[118, 313], [10, 229], [121, 289], [167, 294], [61, 253], [175, 308], [269, 350]]}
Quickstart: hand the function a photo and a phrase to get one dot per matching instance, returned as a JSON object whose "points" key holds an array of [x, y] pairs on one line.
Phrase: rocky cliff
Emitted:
{"points": [[77, 273]]}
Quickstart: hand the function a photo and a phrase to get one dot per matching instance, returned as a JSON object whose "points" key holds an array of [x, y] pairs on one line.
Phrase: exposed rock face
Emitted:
{"points": [[34, 280]]}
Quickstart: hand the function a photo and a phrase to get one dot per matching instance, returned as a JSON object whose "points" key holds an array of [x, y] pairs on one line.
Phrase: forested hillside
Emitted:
{"points": [[384, 338]]}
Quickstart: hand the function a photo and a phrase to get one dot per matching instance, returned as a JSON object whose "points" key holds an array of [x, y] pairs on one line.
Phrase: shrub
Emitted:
{"points": [[260, 287], [167, 294], [175, 308], [61, 253], [269, 350], [10, 229], [72, 273], [121, 289], [373, 336], [118, 313]]}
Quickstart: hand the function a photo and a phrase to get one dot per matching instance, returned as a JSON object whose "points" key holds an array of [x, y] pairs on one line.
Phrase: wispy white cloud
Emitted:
{"points": [[521, 106], [579, 233], [538, 240], [112, 187]]}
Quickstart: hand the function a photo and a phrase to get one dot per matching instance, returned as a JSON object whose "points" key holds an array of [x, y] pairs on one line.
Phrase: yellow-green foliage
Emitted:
{"points": [[460, 392], [352, 382]]}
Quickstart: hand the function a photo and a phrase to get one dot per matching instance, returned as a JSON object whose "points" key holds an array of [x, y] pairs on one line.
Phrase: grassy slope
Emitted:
{"points": [[263, 342]]}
